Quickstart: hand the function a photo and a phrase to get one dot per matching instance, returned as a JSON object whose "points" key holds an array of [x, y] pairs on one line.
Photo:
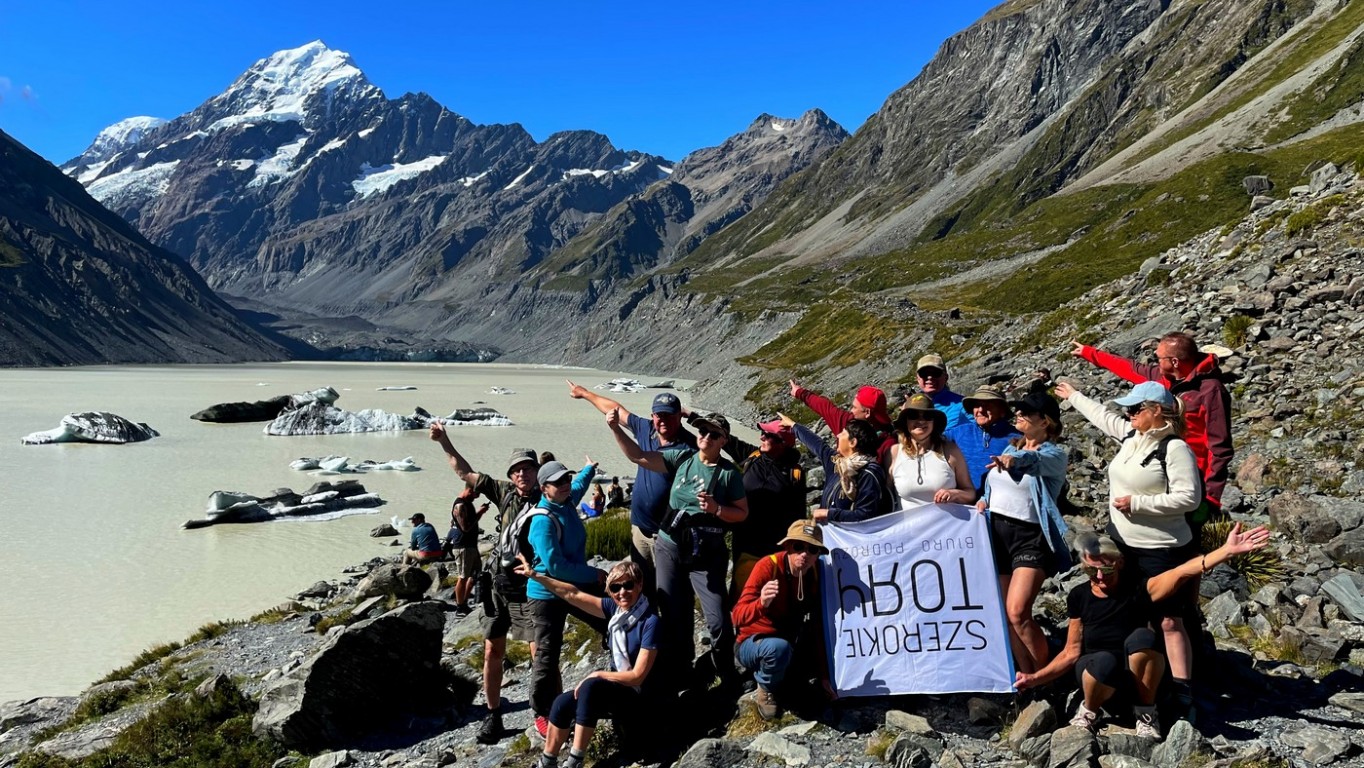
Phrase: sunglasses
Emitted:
{"points": [[800, 548], [711, 434], [1025, 414], [1106, 570], [620, 586], [931, 373], [918, 416], [560, 481], [1133, 410]]}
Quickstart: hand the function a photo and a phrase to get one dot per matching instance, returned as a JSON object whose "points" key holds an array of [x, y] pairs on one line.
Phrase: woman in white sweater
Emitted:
{"points": [[1153, 484]]}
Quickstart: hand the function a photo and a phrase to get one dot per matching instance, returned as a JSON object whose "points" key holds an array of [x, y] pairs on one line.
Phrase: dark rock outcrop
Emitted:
{"points": [[330, 700]]}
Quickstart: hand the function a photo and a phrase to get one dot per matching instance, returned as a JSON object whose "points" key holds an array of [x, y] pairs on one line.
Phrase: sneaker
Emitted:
{"points": [[463, 610], [490, 731], [767, 704], [571, 761], [1148, 722], [1085, 718], [542, 726]]}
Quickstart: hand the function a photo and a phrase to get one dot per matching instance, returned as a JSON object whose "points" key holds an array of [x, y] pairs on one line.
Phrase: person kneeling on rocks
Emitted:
{"points": [[632, 632], [1110, 622], [426, 543], [777, 617]]}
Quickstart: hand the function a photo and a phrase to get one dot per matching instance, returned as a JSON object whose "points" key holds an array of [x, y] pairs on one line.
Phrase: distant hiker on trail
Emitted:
{"points": [[931, 373], [1109, 642], [855, 484], [1193, 377], [926, 467], [649, 497], [426, 545], [461, 546], [869, 404], [502, 594], [706, 493], [1027, 533], [987, 433], [779, 620], [632, 631], [558, 549], [775, 487], [1153, 483]]}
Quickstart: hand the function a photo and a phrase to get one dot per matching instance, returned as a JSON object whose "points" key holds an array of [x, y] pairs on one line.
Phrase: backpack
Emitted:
{"points": [[513, 541], [1198, 516]]}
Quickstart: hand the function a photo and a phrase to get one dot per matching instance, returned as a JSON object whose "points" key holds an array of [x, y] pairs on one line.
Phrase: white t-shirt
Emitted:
{"points": [[1010, 498]]}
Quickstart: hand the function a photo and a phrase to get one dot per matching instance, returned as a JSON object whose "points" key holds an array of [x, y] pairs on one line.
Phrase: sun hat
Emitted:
{"points": [[805, 531], [521, 456], [982, 393], [921, 403]]}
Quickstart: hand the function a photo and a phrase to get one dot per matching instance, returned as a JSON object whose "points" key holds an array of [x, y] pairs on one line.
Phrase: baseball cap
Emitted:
{"points": [[552, 471], [417, 518], [1147, 392], [781, 431], [930, 361], [1040, 402], [875, 400], [713, 422], [667, 402]]}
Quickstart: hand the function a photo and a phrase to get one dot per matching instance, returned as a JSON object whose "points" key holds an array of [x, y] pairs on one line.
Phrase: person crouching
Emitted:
{"points": [[777, 618]]}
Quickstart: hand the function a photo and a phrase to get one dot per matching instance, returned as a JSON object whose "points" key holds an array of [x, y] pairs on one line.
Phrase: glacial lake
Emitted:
{"points": [[96, 567]]}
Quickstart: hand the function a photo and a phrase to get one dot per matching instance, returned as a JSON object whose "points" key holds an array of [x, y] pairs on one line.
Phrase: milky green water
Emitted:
{"points": [[94, 566]]}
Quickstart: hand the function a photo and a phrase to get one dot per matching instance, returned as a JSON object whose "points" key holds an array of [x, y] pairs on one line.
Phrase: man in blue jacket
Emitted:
{"points": [[987, 433], [557, 541]]}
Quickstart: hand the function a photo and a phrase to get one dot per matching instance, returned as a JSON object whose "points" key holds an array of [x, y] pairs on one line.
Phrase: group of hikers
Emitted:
{"points": [[697, 482]]}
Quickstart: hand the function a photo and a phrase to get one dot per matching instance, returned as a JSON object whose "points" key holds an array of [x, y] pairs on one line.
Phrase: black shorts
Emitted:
{"points": [[1017, 544], [1142, 564], [1106, 666]]}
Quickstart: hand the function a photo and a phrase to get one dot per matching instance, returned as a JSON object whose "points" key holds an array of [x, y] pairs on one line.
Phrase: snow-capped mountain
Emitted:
{"points": [[111, 141]]}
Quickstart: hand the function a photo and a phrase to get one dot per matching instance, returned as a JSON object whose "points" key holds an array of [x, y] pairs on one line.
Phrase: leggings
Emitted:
{"points": [[595, 699]]}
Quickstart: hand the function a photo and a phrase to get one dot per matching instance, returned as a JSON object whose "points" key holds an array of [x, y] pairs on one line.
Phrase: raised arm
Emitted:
{"points": [[600, 402], [562, 589], [1118, 366], [837, 418], [1107, 421], [457, 462], [1238, 543], [650, 460]]}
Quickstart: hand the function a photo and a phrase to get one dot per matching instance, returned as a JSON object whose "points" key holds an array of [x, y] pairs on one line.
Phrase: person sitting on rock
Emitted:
{"points": [[615, 495], [1109, 640], [778, 617], [426, 545], [461, 546], [869, 404], [633, 635]]}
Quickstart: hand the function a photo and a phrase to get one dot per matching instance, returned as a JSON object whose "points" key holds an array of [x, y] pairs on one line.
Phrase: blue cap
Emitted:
{"points": [[667, 402], [1147, 392]]}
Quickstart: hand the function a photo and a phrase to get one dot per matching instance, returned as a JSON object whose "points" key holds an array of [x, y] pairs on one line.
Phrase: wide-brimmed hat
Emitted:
{"points": [[713, 422], [782, 432], [1039, 402], [552, 471], [805, 531], [982, 394], [924, 404], [1147, 392], [521, 456]]}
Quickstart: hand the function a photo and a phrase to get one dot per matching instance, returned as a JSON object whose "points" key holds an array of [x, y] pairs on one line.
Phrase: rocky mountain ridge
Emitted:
{"points": [[81, 286]]}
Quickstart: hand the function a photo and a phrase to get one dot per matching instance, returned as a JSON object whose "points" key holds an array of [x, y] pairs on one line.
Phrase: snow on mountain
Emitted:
{"points": [[108, 144], [286, 85], [375, 180], [152, 181]]}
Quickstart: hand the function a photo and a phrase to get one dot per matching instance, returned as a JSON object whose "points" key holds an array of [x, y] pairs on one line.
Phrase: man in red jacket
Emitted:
{"points": [[778, 614], [869, 404], [1193, 377]]}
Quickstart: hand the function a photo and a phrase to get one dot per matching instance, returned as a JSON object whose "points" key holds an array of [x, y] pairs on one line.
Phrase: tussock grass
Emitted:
{"points": [[749, 723]]}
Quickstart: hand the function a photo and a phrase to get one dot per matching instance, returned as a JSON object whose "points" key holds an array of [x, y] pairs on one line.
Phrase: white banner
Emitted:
{"points": [[912, 605]]}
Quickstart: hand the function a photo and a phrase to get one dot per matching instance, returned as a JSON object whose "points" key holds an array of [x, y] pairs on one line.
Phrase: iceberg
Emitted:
{"points": [[264, 410], [323, 501], [93, 427]]}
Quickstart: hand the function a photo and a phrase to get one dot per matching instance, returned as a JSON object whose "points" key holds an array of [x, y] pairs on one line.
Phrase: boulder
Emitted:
{"points": [[905, 752], [1125, 742], [26, 712], [1319, 745], [794, 755], [1036, 719], [985, 712], [1343, 592], [1350, 700], [329, 701], [1222, 612], [1181, 743], [1347, 548], [1257, 185], [338, 759], [382, 531], [1250, 476], [708, 753], [1303, 518], [404, 581], [1317, 646], [1072, 747]]}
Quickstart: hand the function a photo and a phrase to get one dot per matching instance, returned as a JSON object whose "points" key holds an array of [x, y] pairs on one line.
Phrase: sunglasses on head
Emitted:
{"points": [[620, 586], [710, 433]]}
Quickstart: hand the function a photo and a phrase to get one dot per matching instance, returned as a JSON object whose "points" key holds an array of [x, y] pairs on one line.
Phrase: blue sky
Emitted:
{"points": [[661, 78]]}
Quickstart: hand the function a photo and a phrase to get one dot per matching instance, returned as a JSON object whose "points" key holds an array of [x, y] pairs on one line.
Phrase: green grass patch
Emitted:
{"points": [[608, 537], [879, 742], [1234, 330], [749, 723], [576, 636], [337, 619], [10, 254], [183, 732]]}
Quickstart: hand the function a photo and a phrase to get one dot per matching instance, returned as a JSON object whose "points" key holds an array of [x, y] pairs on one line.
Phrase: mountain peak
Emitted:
{"points": [[280, 86]]}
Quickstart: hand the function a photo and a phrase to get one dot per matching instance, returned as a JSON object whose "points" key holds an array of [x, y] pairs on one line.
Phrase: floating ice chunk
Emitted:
{"points": [[93, 427], [394, 389]]}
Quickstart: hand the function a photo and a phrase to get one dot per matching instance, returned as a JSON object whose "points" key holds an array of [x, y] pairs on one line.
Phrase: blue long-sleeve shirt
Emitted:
{"points": [[950, 403], [561, 550], [873, 495], [978, 445]]}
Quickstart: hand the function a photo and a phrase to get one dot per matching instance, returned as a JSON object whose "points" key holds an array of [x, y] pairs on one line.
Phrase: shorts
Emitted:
{"points": [[1017, 544], [1143, 564], [466, 561], [1107, 668], [502, 617]]}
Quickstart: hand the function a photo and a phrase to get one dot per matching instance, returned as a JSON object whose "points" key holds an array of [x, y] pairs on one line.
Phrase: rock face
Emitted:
{"points": [[80, 286], [93, 427], [330, 700]]}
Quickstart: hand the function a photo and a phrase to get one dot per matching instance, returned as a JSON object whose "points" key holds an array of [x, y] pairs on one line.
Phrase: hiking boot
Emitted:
{"points": [[542, 726], [767, 704], [490, 731], [1148, 722], [572, 761], [1085, 718], [463, 610]]}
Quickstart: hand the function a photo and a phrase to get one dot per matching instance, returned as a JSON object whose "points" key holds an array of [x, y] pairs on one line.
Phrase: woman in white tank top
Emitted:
{"points": [[926, 467]]}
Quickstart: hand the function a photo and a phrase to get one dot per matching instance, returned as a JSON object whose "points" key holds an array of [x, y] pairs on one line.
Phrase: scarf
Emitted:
{"points": [[848, 468], [619, 626]]}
